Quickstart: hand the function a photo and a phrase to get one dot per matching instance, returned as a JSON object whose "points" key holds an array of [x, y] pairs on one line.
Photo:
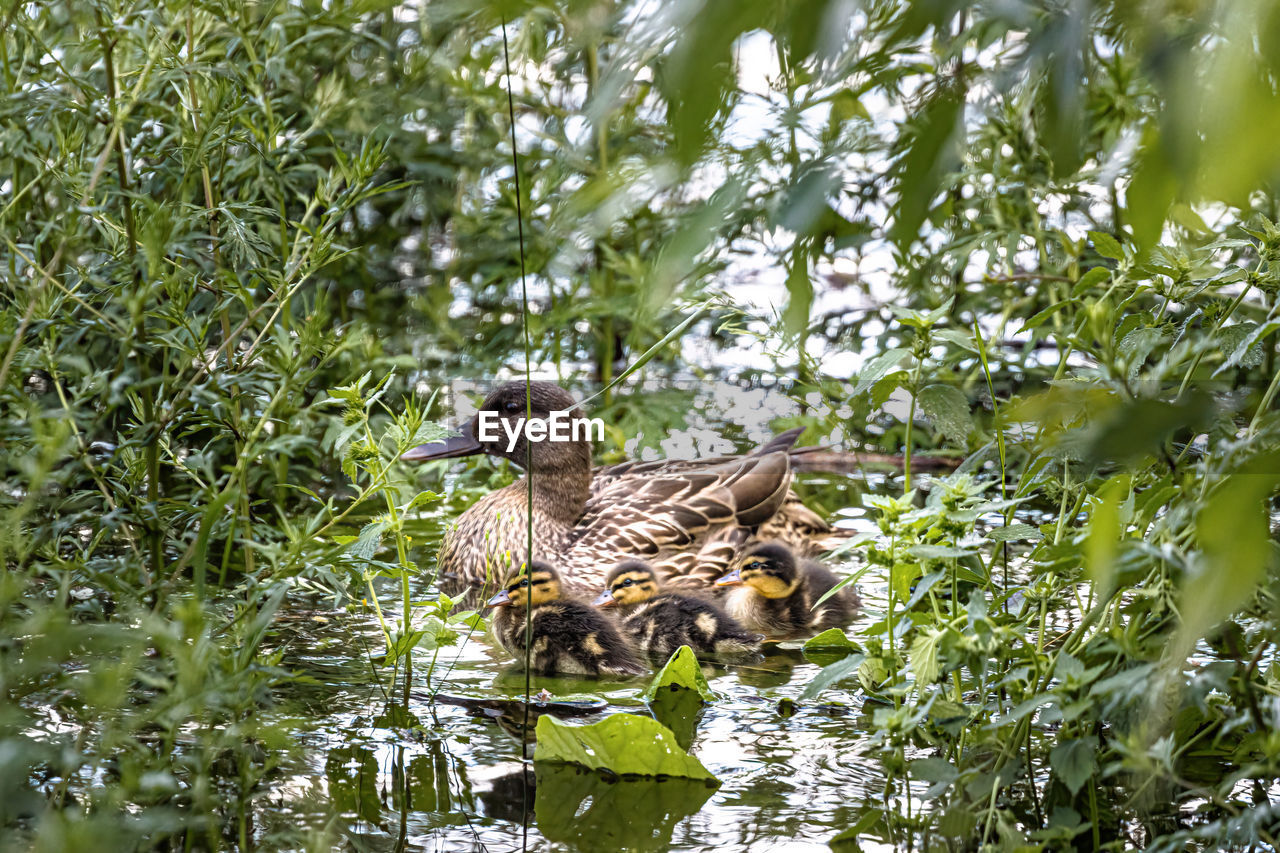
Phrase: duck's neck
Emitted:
{"points": [[562, 492]]}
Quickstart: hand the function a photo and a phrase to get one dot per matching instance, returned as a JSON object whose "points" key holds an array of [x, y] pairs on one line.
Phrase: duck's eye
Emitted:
{"points": [[628, 582], [523, 584], [511, 407]]}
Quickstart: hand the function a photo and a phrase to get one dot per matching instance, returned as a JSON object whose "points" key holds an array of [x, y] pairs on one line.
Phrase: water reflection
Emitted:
{"points": [[437, 776]]}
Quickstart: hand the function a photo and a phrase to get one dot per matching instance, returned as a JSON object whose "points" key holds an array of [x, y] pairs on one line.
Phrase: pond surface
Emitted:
{"points": [[442, 777]]}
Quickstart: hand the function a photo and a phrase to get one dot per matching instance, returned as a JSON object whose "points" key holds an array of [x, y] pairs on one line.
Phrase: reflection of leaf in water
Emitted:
{"points": [[396, 716], [352, 774], [631, 815], [678, 710], [624, 744]]}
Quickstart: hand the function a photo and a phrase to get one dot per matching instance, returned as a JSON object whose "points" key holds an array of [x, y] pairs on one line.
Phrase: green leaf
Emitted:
{"points": [[832, 638], [680, 671], [1014, 533], [624, 744], [420, 499], [1075, 761], [1106, 245], [879, 367], [1104, 531], [829, 675], [948, 408], [933, 151], [366, 544], [924, 655], [795, 319], [1235, 548]]}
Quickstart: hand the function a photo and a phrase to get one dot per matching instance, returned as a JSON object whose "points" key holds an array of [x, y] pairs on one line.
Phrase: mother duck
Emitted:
{"points": [[688, 518]]}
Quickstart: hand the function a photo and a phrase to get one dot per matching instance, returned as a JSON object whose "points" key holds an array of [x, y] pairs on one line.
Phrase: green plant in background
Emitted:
{"points": [[375, 459]]}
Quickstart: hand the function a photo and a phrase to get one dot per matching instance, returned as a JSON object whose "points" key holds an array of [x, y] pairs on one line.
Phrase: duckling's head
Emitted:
{"points": [[630, 582], [498, 429], [538, 585], [767, 567]]}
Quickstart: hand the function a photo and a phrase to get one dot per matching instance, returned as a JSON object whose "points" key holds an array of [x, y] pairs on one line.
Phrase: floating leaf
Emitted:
{"points": [[680, 671], [625, 744], [830, 639]]}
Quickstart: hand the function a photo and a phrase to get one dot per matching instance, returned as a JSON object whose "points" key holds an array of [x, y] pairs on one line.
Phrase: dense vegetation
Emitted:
{"points": [[1059, 222]]}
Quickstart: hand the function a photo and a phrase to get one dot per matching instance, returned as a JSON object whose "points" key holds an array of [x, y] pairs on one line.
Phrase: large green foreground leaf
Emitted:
{"points": [[624, 744]]}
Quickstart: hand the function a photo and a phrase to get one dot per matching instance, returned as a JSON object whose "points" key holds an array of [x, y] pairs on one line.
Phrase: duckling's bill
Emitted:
{"points": [[734, 577], [502, 599], [605, 599]]}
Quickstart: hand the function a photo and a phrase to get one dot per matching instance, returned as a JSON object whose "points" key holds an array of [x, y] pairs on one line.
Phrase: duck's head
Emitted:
{"points": [[631, 582], [528, 588], [767, 567], [498, 430]]}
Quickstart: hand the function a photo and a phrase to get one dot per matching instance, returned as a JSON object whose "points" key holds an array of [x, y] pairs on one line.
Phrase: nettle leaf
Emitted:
{"points": [[625, 744], [924, 655], [1137, 345], [422, 498], [948, 408], [841, 669], [366, 544], [878, 368], [1075, 761], [1241, 344], [681, 671]]}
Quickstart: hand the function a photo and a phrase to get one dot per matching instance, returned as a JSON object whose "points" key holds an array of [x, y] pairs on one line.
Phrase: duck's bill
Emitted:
{"points": [[463, 444], [734, 577], [499, 600], [605, 599]]}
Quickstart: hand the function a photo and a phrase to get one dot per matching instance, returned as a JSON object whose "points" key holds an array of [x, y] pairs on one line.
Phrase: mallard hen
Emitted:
{"points": [[564, 637], [688, 518], [661, 622], [774, 592]]}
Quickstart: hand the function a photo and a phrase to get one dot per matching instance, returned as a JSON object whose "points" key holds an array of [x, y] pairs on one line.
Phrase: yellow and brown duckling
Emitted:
{"points": [[565, 637], [661, 622], [688, 518], [774, 592]]}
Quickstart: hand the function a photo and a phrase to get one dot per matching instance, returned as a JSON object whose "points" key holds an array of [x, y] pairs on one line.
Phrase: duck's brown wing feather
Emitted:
{"points": [[606, 476], [679, 508]]}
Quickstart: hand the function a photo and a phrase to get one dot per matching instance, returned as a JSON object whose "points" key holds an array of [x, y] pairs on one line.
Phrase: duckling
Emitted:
{"points": [[661, 622], [566, 637], [775, 593]]}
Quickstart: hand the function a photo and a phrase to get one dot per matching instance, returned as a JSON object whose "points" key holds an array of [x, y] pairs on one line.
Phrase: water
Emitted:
{"points": [[446, 778]]}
